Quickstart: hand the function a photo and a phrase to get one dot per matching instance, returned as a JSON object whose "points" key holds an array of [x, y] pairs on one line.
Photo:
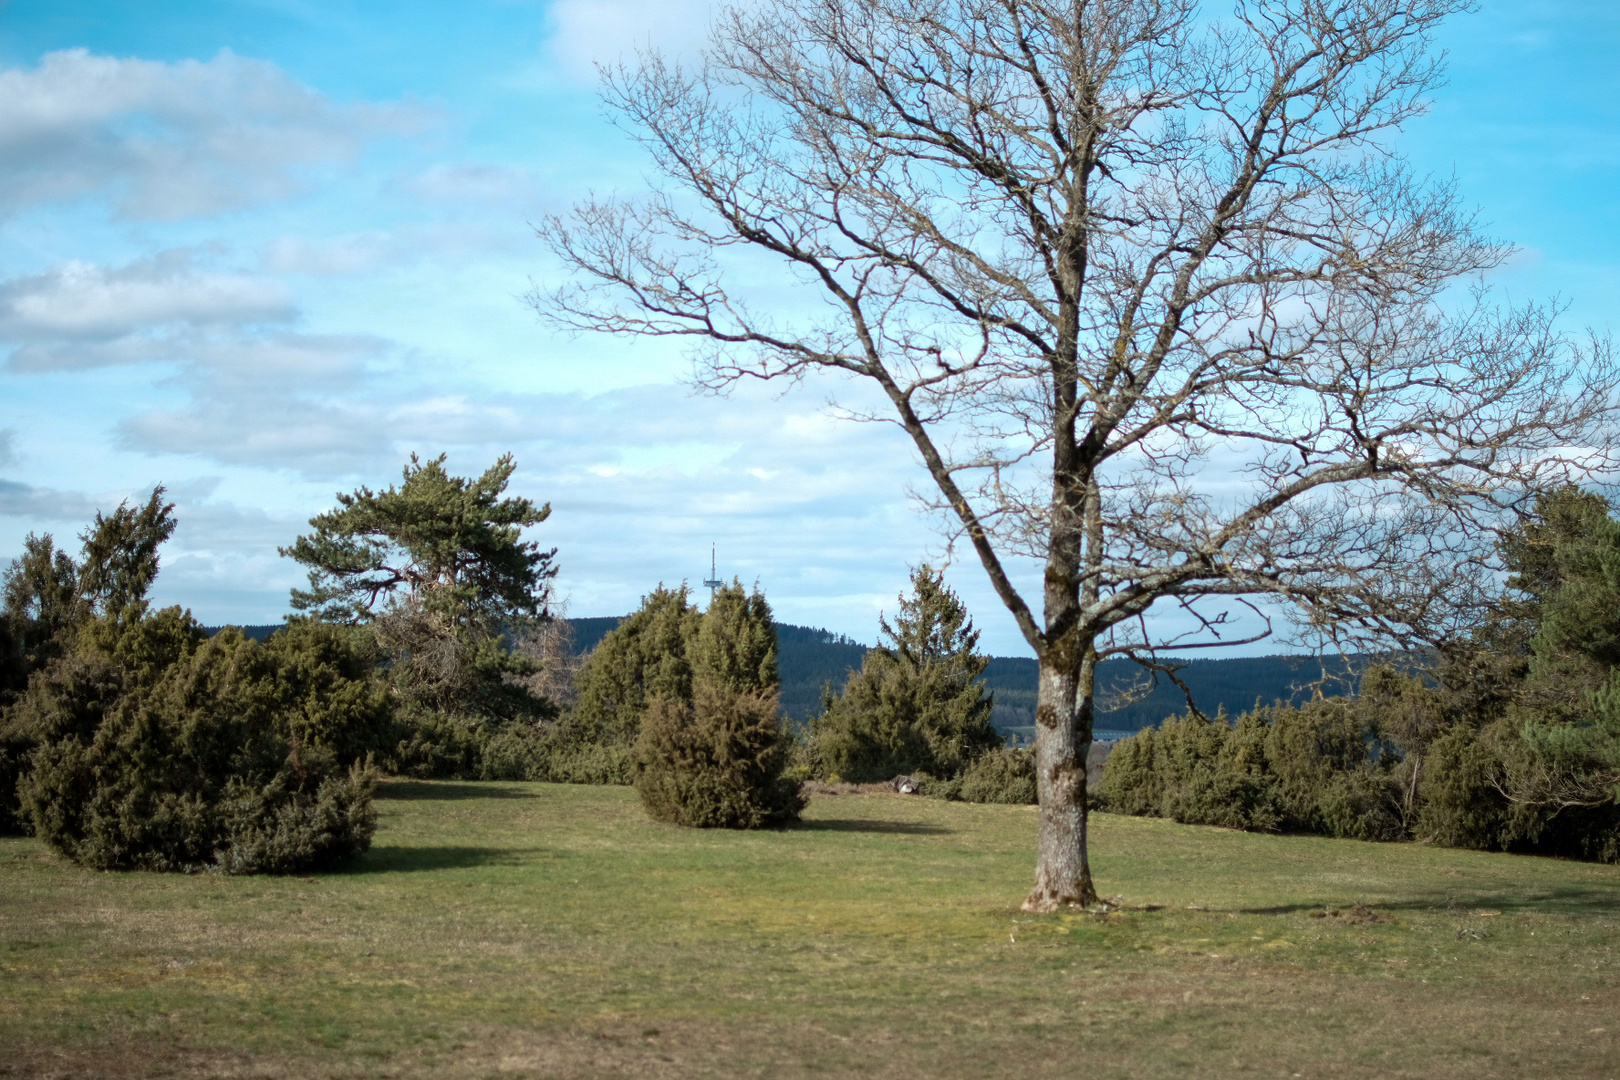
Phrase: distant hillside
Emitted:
{"points": [[1234, 684], [257, 633], [810, 657]]}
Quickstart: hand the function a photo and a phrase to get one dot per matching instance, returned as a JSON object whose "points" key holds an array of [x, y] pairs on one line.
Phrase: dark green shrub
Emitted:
{"points": [[284, 826], [733, 645], [717, 762], [1467, 776], [1584, 832], [1310, 769], [658, 653], [584, 763], [1360, 804], [432, 745], [328, 684], [551, 753], [513, 753], [1463, 804], [1184, 755], [1130, 781], [435, 746], [161, 749], [1235, 789], [643, 657], [15, 753], [1004, 776]]}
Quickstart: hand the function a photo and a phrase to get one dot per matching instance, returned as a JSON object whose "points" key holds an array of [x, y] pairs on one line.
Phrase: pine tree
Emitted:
{"points": [[439, 568], [917, 704], [1567, 563]]}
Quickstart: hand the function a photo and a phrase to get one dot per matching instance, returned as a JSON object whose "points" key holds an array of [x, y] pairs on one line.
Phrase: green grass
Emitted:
{"points": [[538, 930]]}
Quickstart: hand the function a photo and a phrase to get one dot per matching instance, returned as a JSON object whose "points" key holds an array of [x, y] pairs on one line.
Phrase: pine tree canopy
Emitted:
{"points": [[449, 544]]}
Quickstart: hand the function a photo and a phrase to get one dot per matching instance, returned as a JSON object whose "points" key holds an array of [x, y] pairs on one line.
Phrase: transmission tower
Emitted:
{"points": [[713, 581]]}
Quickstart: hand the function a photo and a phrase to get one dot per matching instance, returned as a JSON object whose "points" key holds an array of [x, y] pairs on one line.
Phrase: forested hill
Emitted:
{"points": [[1128, 701], [810, 657]]}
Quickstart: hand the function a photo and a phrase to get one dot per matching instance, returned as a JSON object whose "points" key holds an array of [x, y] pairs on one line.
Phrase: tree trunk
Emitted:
{"points": [[1062, 741]]}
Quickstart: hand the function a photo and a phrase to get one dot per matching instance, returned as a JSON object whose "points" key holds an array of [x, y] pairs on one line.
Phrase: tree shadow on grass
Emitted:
{"points": [[1563, 901], [395, 859], [442, 789], [913, 828]]}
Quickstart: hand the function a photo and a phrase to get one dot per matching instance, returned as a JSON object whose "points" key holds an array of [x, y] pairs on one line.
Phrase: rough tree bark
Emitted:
{"points": [[1165, 317]]}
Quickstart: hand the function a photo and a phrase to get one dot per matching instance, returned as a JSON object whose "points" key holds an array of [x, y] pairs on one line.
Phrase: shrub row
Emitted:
{"points": [[1313, 769], [1326, 768]]}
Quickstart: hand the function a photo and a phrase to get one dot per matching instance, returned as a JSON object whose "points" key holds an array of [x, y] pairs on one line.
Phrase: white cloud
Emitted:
{"points": [[8, 447], [355, 254], [489, 185], [171, 140], [331, 256], [590, 32], [279, 430], [79, 315]]}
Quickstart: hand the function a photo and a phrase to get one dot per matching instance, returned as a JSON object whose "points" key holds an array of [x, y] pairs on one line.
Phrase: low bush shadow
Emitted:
{"points": [[441, 789], [865, 825], [398, 860], [1565, 901]]}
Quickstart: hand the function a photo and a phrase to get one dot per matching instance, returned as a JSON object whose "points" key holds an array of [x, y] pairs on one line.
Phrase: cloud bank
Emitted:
{"points": [[168, 141]]}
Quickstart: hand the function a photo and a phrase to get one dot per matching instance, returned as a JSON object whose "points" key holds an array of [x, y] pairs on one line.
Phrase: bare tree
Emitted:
{"points": [[1147, 286], [553, 649]]}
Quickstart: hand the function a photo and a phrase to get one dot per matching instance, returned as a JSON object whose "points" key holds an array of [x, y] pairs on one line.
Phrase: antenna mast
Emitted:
{"points": [[713, 581]]}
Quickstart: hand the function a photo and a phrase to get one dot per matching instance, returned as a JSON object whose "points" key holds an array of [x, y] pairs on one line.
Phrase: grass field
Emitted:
{"points": [[537, 930]]}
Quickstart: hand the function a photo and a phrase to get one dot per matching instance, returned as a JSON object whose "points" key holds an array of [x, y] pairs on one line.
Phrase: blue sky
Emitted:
{"points": [[260, 251]]}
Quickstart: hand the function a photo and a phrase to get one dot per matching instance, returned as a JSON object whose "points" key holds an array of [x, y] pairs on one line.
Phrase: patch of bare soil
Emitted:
{"points": [[1356, 915]]}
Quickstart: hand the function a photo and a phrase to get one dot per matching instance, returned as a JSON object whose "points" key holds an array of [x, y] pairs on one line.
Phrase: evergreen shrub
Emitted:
{"points": [[14, 761], [431, 745], [917, 705], [1311, 769], [159, 748], [584, 763], [1004, 775], [718, 762], [552, 753]]}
